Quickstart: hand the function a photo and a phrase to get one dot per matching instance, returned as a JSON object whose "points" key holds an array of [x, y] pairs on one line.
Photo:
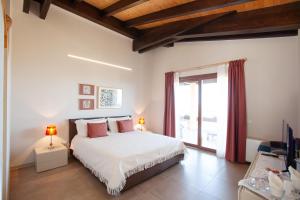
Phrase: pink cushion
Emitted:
{"points": [[125, 125], [97, 129]]}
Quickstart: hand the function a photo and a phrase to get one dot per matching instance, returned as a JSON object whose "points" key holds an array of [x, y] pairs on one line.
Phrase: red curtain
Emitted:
{"points": [[169, 116], [237, 125]]}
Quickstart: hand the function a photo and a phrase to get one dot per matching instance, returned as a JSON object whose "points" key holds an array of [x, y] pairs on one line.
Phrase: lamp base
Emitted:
{"points": [[141, 127], [51, 146]]}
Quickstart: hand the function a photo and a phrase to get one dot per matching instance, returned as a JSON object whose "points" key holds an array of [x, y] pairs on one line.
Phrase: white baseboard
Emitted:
{"points": [[22, 166]]}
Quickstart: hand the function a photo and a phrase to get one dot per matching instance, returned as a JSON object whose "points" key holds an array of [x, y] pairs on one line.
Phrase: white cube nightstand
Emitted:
{"points": [[46, 158]]}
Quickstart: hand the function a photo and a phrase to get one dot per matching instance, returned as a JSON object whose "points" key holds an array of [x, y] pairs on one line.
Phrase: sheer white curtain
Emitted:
{"points": [[176, 92], [222, 105]]}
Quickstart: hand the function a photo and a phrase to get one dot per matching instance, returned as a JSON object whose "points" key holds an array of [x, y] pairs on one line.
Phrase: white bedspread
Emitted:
{"points": [[114, 158]]}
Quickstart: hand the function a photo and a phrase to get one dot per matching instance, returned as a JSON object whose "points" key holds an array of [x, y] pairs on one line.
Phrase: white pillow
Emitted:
{"points": [[81, 125], [112, 123], [110, 133]]}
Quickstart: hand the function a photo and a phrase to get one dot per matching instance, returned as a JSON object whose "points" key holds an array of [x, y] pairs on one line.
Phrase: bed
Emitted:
{"points": [[123, 160]]}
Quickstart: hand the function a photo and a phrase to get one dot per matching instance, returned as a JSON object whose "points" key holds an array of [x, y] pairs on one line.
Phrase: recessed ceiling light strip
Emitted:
{"points": [[99, 62]]}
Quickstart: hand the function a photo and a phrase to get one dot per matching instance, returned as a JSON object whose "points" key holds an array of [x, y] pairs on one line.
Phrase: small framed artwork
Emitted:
{"points": [[85, 89], [109, 97], [86, 104]]}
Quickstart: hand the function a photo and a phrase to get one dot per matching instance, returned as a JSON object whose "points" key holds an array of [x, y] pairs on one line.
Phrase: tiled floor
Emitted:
{"points": [[200, 176]]}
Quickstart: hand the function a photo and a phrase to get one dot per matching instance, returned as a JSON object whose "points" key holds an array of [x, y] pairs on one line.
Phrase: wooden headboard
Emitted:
{"points": [[72, 125]]}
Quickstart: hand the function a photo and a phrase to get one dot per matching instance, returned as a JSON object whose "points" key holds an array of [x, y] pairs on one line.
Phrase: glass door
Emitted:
{"points": [[196, 111], [209, 113], [188, 112]]}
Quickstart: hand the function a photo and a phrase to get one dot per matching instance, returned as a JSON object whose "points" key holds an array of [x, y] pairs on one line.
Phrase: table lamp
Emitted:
{"points": [[51, 130], [141, 123]]}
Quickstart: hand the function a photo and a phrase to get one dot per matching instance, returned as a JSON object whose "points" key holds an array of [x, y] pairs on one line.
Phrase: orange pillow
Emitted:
{"points": [[125, 125], [97, 129]]}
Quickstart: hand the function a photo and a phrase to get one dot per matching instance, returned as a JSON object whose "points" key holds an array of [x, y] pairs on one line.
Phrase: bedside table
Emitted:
{"points": [[46, 159]]}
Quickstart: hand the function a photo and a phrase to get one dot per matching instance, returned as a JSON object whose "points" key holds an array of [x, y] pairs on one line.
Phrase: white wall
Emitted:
{"points": [[2, 163], [45, 81], [271, 78], [298, 133]]}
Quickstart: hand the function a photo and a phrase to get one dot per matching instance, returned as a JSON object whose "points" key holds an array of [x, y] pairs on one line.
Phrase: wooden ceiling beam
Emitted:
{"points": [[76, 1], [165, 43], [273, 19], [45, 5], [169, 31], [243, 36], [26, 6], [122, 5], [182, 10], [171, 44], [95, 15]]}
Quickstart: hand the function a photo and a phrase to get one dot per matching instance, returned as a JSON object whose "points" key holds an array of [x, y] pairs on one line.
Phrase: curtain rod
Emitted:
{"points": [[206, 66]]}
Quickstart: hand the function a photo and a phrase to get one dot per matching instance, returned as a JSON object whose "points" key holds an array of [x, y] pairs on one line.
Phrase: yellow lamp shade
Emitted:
{"points": [[141, 120], [51, 130]]}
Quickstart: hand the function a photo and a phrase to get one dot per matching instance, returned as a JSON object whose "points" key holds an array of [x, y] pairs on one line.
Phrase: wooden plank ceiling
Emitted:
{"points": [[155, 23]]}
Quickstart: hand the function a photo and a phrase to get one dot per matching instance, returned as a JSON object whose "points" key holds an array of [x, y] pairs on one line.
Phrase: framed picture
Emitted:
{"points": [[86, 104], [85, 89], [109, 97]]}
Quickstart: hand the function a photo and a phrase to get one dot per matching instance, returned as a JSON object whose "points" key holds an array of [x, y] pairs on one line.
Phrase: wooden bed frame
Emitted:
{"points": [[140, 176]]}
